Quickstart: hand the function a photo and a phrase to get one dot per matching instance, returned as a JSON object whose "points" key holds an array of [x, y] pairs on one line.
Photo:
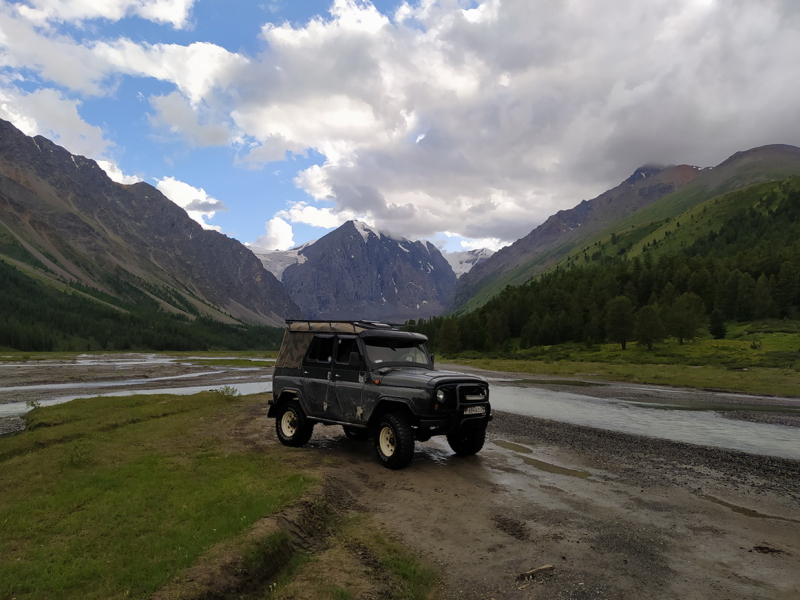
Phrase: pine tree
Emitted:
{"points": [[649, 328], [619, 319], [763, 298], [449, 341], [717, 326], [685, 317]]}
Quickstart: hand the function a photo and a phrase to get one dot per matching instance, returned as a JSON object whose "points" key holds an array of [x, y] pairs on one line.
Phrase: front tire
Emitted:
{"points": [[394, 441], [292, 426], [467, 444]]}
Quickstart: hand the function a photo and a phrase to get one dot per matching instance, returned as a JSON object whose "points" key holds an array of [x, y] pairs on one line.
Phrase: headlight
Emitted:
{"points": [[440, 395]]}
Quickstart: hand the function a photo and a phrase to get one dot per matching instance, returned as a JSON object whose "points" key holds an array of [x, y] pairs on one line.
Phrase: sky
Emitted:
{"points": [[464, 122]]}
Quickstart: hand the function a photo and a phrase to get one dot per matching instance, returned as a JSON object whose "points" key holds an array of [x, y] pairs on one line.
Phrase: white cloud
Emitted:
{"points": [[195, 201], [41, 12], [312, 181], [49, 113], [279, 236], [116, 174], [325, 217], [197, 125], [196, 69], [490, 119], [490, 243]]}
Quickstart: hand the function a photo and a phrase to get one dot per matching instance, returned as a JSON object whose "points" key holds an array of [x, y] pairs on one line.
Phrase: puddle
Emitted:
{"points": [[512, 446], [540, 464], [746, 511]]}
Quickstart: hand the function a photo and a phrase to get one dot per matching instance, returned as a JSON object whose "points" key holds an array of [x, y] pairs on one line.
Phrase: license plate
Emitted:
{"points": [[475, 410]]}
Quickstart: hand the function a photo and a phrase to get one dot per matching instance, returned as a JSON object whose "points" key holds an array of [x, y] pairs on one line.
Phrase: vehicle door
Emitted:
{"points": [[317, 374], [347, 382]]}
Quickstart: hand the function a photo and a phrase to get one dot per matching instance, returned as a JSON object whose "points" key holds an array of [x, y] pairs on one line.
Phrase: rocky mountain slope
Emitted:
{"points": [[357, 273], [124, 240], [651, 193]]}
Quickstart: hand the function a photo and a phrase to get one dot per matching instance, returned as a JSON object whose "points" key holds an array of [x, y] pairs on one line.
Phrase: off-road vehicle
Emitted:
{"points": [[376, 382]]}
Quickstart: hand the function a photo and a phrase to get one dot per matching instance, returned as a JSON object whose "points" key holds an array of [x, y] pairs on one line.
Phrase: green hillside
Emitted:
{"points": [[39, 314], [631, 234], [730, 259]]}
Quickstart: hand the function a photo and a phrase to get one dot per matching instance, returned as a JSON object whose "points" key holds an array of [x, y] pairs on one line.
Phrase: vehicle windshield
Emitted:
{"points": [[406, 352]]}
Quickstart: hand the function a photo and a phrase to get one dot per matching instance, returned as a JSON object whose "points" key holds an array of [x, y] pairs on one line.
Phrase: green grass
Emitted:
{"points": [[759, 358], [110, 498]]}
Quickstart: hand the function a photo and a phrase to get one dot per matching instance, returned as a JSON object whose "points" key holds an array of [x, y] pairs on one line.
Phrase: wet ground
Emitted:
{"points": [[600, 514]]}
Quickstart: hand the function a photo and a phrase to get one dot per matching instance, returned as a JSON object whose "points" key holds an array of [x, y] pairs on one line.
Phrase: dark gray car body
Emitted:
{"points": [[346, 388]]}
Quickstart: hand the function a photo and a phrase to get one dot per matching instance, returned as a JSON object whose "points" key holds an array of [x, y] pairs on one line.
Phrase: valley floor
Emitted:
{"points": [[601, 514]]}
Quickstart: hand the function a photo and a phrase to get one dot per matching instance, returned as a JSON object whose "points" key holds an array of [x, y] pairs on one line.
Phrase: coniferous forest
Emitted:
{"points": [[743, 270]]}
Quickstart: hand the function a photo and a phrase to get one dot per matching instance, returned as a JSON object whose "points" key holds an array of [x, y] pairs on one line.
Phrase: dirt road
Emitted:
{"points": [[616, 516]]}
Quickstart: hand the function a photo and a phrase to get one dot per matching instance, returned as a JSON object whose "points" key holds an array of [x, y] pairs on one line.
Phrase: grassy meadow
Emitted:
{"points": [[756, 358], [112, 497]]}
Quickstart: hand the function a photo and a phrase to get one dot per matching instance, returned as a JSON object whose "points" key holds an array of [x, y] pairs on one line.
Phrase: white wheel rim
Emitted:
{"points": [[386, 441], [289, 423]]}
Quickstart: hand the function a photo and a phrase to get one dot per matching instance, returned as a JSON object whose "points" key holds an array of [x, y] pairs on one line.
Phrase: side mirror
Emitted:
{"points": [[355, 360]]}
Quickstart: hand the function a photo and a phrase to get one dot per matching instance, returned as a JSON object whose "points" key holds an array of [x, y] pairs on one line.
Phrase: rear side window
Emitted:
{"points": [[321, 349], [346, 346]]}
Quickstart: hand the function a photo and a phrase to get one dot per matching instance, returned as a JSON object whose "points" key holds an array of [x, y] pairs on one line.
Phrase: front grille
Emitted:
{"points": [[469, 393], [463, 394]]}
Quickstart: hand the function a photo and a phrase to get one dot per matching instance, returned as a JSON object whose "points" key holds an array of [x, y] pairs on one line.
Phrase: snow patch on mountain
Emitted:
{"points": [[277, 261], [462, 262]]}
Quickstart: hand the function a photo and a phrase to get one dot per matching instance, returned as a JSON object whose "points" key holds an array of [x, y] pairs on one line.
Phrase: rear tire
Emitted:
{"points": [[356, 433], [291, 425], [394, 441], [467, 444]]}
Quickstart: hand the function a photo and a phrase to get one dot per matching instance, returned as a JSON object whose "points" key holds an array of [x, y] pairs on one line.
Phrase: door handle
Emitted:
{"points": [[338, 376], [305, 372]]}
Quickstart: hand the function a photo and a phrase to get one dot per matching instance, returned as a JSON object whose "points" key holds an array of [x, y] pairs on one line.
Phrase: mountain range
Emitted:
{"points": [[65, 224], [64, 221]]}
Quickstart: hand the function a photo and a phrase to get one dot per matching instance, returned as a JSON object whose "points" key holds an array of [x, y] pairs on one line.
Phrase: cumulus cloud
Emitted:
{"points": [[42, 12], [279, 236], [490, 119], [116, 174], [195, 201], [49, 113], [324, 217], [198, 125]]}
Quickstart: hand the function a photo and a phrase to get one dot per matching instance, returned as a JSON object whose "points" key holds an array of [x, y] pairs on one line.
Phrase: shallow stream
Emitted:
{"points": [[677, 420]]}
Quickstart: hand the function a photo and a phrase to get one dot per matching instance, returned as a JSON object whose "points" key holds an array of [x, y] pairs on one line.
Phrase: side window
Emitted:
{"points": [[320, 350], [346, 346]]}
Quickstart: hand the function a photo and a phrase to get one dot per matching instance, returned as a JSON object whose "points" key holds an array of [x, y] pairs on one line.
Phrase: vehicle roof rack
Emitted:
{"points": [[337, 325]]}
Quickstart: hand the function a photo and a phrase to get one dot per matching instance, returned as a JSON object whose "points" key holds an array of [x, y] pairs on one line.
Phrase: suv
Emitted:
{"points": [[376, 382]]}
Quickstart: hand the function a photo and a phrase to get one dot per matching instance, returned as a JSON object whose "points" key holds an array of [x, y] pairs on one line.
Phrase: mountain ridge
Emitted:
{"points": [[527, 259], [101, 233], [557, 234]]}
